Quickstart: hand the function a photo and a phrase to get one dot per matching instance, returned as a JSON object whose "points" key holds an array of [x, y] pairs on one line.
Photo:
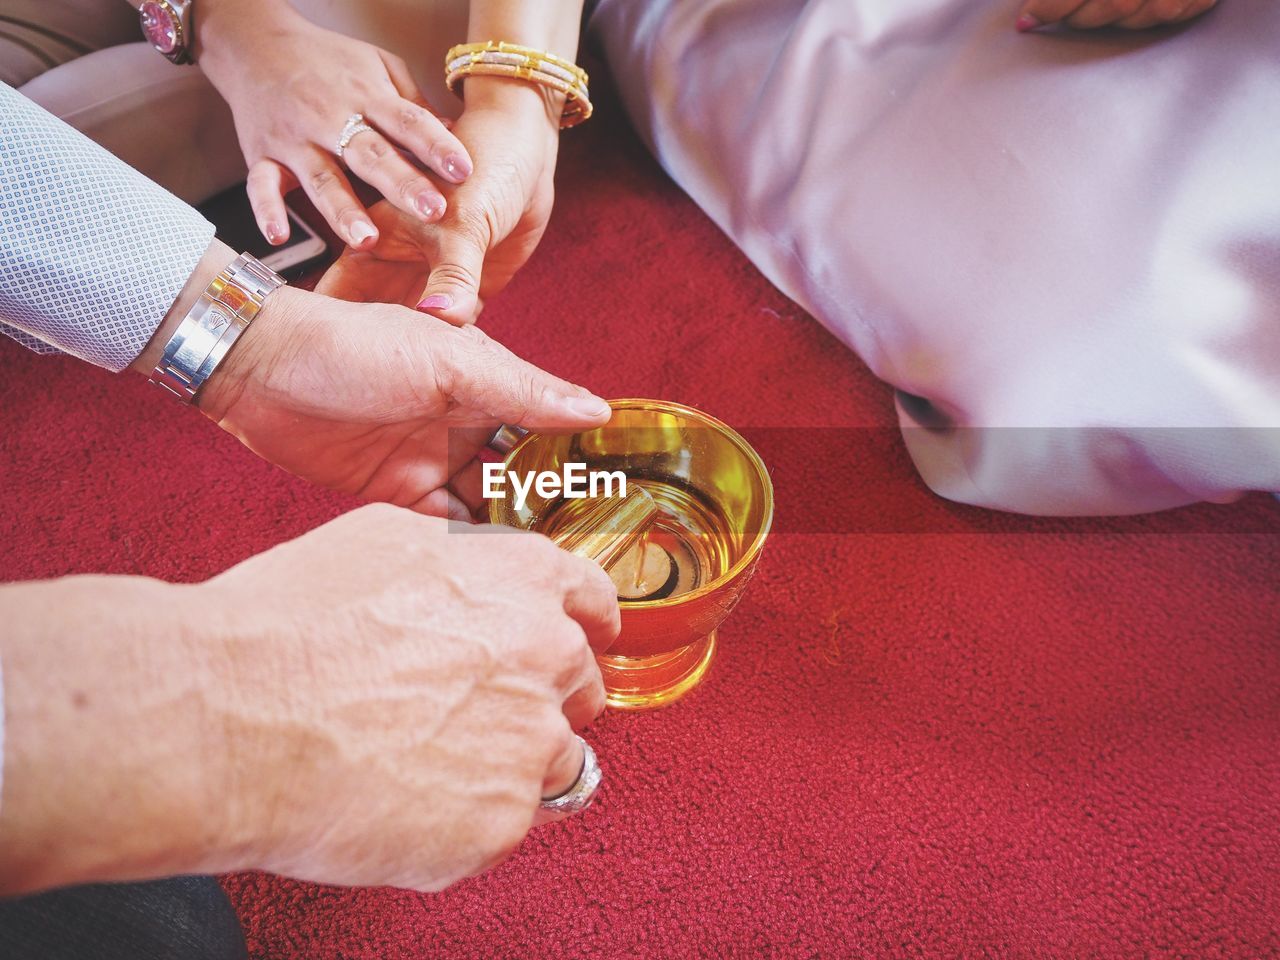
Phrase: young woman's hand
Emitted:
{"points": [[292, 86], [1128, 14], [493, 223]]}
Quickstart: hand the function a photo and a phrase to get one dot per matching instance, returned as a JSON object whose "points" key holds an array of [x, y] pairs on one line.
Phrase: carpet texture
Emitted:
{"points": [[931, 730]]}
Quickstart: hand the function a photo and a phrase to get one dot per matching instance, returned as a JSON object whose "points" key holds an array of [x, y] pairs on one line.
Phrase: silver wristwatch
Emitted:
{"points": [[169, 26], [223, 312]]}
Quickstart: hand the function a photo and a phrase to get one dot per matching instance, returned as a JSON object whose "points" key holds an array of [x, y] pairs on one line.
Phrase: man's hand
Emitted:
{"points": [[382, 402], [493, 222], [381, 701], [1127, 14]]}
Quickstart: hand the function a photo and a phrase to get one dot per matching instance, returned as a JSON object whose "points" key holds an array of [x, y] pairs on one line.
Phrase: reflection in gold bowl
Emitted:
{"points": [[717, 506]]}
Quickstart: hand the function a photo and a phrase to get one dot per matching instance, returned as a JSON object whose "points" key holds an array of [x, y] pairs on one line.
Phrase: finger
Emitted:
{"points": [[1155, 12], [266, 186], [587, 701], [566, 764], [1036, 13], [592, 600], [452, 292], [420, 132], [402, 79], [442, 503], [1102, 13], [479, 373], [468, 486], [378, 163], [328, 188]]}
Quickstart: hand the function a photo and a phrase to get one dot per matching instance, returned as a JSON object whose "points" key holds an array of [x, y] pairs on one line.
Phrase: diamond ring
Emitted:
{"points": [[354, 127], [579, 796]]}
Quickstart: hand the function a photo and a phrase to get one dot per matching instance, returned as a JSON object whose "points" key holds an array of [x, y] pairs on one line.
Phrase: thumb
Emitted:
{"points": [[479, 373], [453, 288]]}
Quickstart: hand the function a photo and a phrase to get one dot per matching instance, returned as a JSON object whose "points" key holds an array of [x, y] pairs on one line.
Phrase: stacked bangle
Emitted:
{"points": [[494, 58]]}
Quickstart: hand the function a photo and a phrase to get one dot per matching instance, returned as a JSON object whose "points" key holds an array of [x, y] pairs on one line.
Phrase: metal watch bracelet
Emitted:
{"points": [[205, 335]]}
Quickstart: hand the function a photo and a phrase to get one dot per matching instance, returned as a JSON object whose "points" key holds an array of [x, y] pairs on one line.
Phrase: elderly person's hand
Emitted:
{"points": [[374, 399], [291, 87], [1128, 14], [381, 701], [494, 220]]}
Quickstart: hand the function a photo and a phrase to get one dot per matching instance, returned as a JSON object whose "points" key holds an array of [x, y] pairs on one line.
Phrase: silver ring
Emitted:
{"points": [[504, 438], [354, 127], [578, 797]]}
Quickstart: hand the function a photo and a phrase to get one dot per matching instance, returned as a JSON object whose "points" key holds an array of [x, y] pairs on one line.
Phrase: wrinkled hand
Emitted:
{"points": [[492, 225], [382, 402], [399, 696], [291, 87], [1128, 14]]}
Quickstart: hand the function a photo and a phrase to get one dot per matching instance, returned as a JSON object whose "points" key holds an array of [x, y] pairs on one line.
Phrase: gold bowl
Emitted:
{"points": [[716, 500]]}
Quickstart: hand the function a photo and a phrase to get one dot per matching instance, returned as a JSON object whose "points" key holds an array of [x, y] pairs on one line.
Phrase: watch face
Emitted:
{"points": [[160, 26]]}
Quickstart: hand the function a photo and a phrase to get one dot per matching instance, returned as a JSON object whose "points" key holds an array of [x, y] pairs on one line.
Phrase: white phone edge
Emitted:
{"points": [[295, 254]]}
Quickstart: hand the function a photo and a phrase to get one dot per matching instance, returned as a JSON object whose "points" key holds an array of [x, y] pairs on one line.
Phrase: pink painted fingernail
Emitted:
{"points": [[361, 231], [437, 301], [275, 233], [457, 167], [430, 205], [1026, 22]]}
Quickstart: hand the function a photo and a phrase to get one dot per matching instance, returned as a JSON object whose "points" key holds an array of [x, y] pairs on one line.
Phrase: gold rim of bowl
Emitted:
{"points": [[757, 544]]}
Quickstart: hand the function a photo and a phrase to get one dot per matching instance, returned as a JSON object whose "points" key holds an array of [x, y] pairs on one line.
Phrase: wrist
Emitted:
{"points": [[227, 31], [114, 769], [229, 370], [255, 353], [515, 98], [216, 258]]}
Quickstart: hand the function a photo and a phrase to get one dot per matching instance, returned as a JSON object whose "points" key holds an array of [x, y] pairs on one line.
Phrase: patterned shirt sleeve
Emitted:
{"points": [[92, 253]]}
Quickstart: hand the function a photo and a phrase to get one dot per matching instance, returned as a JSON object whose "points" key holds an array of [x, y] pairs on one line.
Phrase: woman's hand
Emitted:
{"points": [[493, 223], [1128, 14], [291, 86]]}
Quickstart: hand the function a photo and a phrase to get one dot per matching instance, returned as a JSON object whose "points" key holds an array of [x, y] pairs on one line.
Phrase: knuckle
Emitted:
{"points": [[566, 648], [409, 187], [476, 339], [374, 149], [409, 117], [322, 180], [456, 274], [471, 224]]}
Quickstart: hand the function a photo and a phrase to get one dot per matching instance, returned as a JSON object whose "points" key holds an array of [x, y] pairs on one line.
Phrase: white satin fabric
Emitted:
{"points": [[1068, 242]]}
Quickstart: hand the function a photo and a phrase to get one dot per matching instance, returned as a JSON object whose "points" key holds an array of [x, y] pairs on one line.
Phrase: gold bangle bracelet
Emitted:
{"points": [[497, 58]]}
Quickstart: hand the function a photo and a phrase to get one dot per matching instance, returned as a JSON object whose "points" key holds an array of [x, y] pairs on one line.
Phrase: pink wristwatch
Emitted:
{"points": [[169, 26]]}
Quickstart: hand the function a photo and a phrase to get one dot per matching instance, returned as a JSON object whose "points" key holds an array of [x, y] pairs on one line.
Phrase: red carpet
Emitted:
{"points": [[931, 731]]}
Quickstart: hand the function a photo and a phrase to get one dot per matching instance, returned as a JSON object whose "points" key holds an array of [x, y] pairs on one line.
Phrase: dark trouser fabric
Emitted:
{"points": [[183, 918]]}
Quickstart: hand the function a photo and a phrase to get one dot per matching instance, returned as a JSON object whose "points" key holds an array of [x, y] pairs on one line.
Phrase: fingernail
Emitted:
{"points": [[437, 301], [275, 233], [592, 407], [1026, 22], [430, 205], [361, 231], [457, 167]]}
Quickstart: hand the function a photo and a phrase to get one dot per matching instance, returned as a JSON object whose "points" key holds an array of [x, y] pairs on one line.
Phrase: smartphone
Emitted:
{"points": [[232, 218]]}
